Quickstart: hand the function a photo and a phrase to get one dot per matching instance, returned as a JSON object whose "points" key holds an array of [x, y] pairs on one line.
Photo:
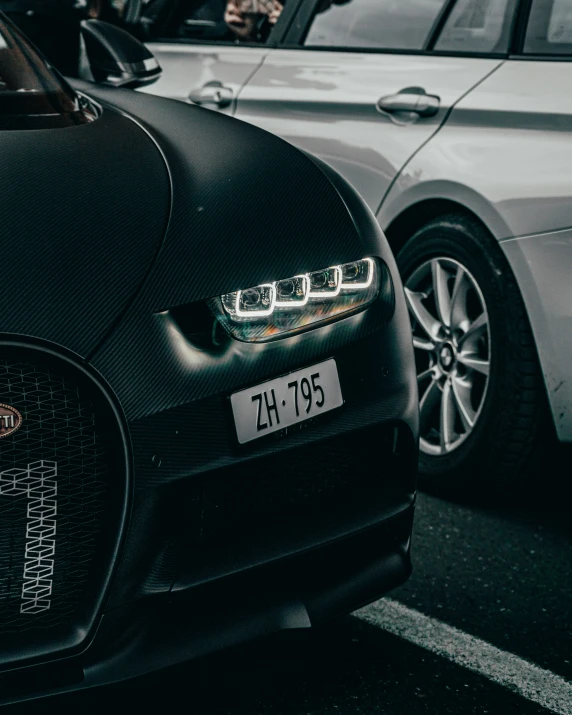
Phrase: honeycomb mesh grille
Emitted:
{"points": [[53, 493]]}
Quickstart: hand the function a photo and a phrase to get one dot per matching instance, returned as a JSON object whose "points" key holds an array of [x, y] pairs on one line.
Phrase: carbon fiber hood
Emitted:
{"points": [[83, 213], [247, 208]]}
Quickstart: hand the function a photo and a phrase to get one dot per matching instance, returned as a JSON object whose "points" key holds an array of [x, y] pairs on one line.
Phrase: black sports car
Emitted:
{"points": [[208, 427]]}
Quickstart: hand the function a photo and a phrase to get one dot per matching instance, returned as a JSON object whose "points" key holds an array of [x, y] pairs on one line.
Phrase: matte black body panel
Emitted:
{"points": [[238, 193], [81, 219], [151, 210], [240, 217]]}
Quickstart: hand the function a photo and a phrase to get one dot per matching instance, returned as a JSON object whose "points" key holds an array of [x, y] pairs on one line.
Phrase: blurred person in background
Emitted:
{"points": [[54, 26], [253, 20]]}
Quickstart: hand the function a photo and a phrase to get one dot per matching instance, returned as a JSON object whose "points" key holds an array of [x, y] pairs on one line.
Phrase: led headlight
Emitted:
{"points": [[288, 306]]}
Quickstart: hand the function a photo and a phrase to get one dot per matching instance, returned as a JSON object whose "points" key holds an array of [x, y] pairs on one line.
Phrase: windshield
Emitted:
{"points": [[32, 94]]}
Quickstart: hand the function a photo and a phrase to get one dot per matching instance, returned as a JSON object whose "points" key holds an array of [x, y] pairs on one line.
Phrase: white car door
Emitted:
{"points": [[208, 75], [363, 84], [202, 60]]}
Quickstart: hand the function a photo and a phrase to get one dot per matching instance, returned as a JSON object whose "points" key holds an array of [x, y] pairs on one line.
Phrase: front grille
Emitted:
{"points": [[55, 492]]}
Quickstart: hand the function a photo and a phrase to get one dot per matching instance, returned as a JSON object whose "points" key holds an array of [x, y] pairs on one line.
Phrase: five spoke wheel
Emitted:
{"points": [[451, 337]]}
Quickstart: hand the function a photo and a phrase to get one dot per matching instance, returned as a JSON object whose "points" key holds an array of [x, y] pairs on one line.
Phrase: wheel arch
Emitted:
{"points": [[405, 212]]}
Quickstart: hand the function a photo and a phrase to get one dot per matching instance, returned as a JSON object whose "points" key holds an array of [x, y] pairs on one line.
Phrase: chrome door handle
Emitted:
{"points": [[212, 93], [410, 101]]}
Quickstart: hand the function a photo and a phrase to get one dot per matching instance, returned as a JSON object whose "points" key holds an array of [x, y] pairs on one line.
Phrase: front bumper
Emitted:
{"points": [[226, 543], [297, 592]]}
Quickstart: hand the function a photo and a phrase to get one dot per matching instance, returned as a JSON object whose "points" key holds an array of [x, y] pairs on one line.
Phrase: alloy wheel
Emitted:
{"points": [[451, 337]]}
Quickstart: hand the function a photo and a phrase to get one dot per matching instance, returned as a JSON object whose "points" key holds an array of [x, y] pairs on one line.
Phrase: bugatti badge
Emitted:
{"points": [[10, 420]]}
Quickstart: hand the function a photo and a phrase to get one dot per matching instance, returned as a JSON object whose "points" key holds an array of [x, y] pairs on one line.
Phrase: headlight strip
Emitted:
{"points": [[272, 309]]}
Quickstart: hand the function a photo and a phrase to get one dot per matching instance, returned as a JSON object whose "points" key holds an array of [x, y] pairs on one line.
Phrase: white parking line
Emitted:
{"points": [[528, 680]]}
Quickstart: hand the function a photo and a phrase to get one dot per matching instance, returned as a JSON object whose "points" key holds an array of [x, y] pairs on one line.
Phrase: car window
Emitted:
{"points": [[217, 20], [200, 20], [549, 28], [478, 26], [377, 24]]}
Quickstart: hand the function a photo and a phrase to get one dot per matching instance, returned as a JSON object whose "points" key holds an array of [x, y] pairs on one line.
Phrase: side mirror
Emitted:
{"points": [[116, 58]]}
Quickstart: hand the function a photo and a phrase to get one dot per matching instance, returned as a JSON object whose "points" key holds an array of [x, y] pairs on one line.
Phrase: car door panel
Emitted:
{"points": [[508, 141], [189, 67], [325, 102]]}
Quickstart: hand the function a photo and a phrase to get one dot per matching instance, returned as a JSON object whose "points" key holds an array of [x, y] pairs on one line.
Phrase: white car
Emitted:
{"points": [[452, 118]]}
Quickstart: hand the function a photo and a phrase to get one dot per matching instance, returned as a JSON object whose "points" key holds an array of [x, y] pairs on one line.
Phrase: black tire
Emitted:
{"points": [[513, 416]]}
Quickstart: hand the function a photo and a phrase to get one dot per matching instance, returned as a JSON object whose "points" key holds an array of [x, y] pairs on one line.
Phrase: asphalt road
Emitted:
{"points": [[502, 575]]}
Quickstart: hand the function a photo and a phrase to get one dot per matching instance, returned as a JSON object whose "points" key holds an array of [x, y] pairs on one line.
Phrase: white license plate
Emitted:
{"points": [[286, 401]]}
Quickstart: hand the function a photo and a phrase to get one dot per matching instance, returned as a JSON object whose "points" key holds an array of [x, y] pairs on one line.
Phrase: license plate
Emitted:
{"points": [[286, 401]]}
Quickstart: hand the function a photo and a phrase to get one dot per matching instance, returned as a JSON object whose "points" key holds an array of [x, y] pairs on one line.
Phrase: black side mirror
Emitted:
{"points": [[116, 58]]}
